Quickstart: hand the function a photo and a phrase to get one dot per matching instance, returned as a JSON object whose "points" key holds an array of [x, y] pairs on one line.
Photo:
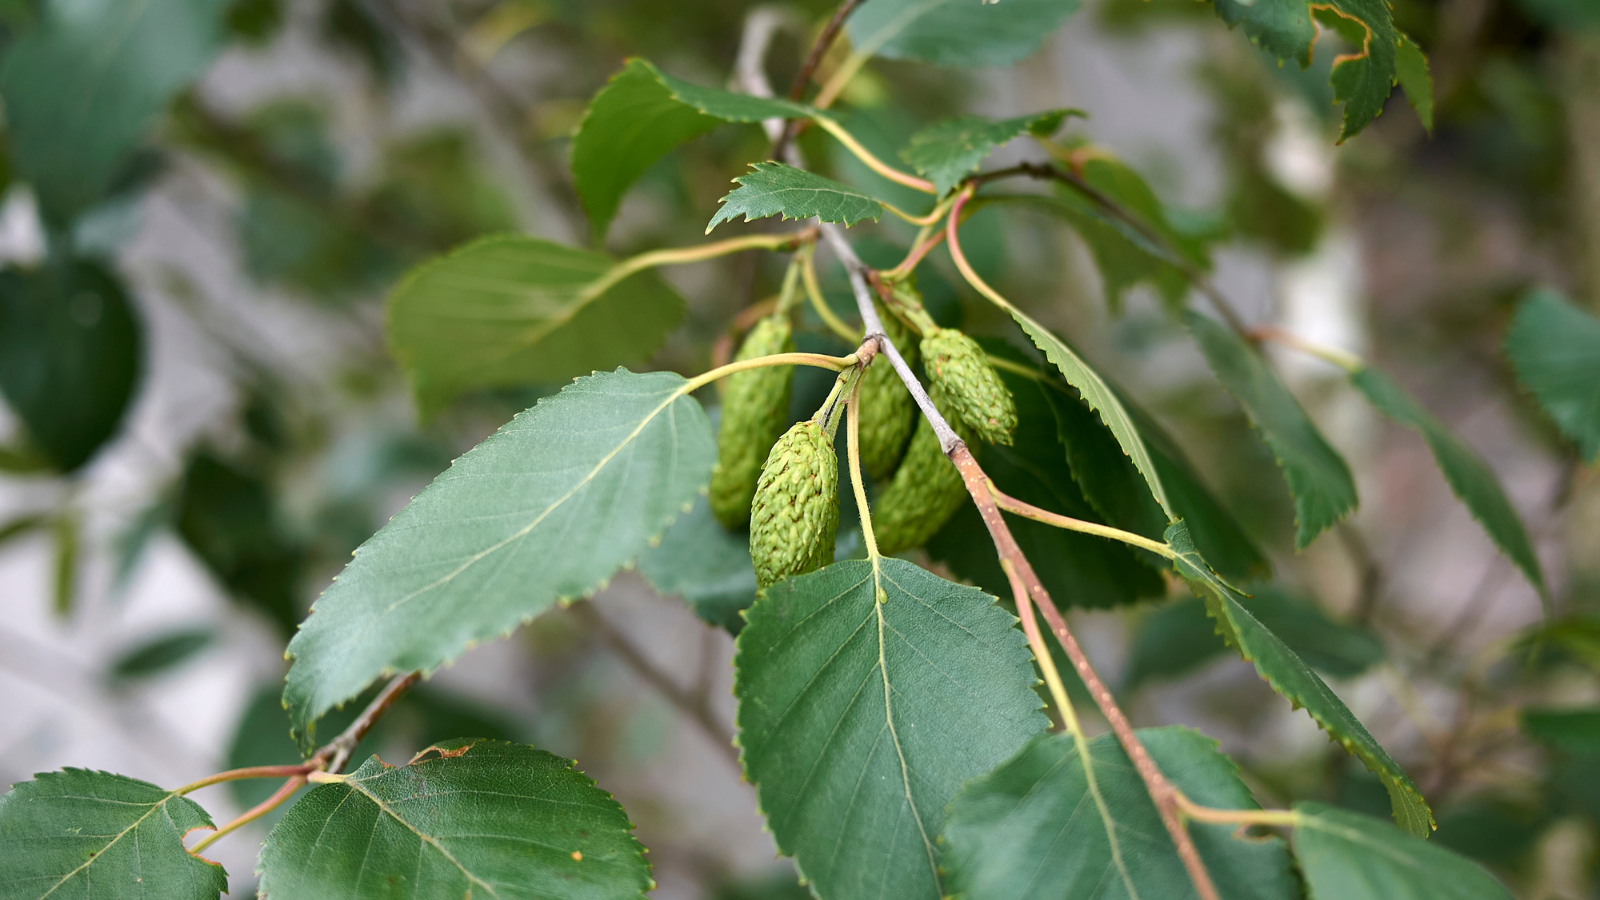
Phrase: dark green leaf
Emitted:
{"points": [[951, 150], [510, 310], [1077, 569], [70, 354], [1319, 480], [1361, 78], [956, 32], [1348, 856], [159, 654], [1469, 476], [1575, 731], [774, 189], [640, 115], [101, 836], [511, 528], [84, 86], [465, 818], [1031, 830], [705, 564], [859, 719], [1180, 636], [1290, 676], [1411, 73], [1555, 348]]}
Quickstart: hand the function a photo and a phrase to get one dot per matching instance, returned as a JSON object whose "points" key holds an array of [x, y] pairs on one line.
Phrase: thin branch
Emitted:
{"points": [[255, 812], [691, 704], [336, 752], [1027, 510], [797, 87]]}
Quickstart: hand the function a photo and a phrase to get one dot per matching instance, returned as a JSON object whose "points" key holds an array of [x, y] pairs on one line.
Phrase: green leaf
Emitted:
{"points": [[1361, 78], [1411, 73], [1348, 856], [774, 189], [1469, 476], [83, 88], [1098, 396], [1319, 480], [859, 719], [1115, 488], [101, 836], [951, 150], [1575, 731], [511, 310], [159, 654], [705, 564], [544, 510], [71, 350], [955, 32], [1029, 829], [637, 117], [1179, 637], [465, 818], [1555, 348], [1290, 676], [1077, 569]]}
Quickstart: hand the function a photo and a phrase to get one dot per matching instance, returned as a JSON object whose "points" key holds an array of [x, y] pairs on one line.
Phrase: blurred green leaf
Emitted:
{"points": [[83, 87], [255, 22], [951, 150], [955, 32], [67, 538], [542, 512], [71, 350], [1355, 857], [1571, 730], [101, 836], [1319, 479], [1491, 830], [1411, 73], [510, 310], [705, 564], [1030, 830], [158, 654], [467, 816], [774, 189], [21, 526], [1468, 474], [1290, 676], [351, 25], [1555, 349]]}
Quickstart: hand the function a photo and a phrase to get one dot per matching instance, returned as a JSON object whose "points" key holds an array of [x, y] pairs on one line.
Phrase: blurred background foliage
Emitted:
{"points": [[205, 203]]}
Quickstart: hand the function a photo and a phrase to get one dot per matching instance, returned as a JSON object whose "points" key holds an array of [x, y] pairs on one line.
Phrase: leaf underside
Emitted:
{"points": [[955, 32], [774, 189], [858, 720], [1348, 856], [506, 532], [1555, 349]]}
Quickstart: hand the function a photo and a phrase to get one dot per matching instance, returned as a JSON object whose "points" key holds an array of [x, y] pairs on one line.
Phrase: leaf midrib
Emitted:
{"points": [[356, 785], [100, 854]]}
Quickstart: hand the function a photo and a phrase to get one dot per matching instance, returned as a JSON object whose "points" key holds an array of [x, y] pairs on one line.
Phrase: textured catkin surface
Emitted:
{"points": [[958, 368], [888, 414], [926, 490], [755, 405], [796, 507]]}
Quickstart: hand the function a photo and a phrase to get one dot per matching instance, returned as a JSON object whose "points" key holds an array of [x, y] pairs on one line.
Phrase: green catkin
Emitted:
{"points": [[888, 414], [755, 406], [796, 509], [960, 370], [926, 490]]}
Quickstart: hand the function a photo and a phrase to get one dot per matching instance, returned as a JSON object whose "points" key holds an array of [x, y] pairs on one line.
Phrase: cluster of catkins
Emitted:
{"points": [[784, 484]]}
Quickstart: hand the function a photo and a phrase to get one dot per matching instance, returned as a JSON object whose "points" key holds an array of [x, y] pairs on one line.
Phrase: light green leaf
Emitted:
{"points": [[1179, 637], [1099, 397], [705, 564], [640, 115], [1361, 78], [956, 32], [774, 189], [1028, 830], [83, 88], [859, 719], [101, 836], [1319, 480], [465, 818], [512, 527], [1469, 476], [1290, 676], [1348, 856], [1411, 73], [951, 150], [1555, 348], [511, 310]]}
